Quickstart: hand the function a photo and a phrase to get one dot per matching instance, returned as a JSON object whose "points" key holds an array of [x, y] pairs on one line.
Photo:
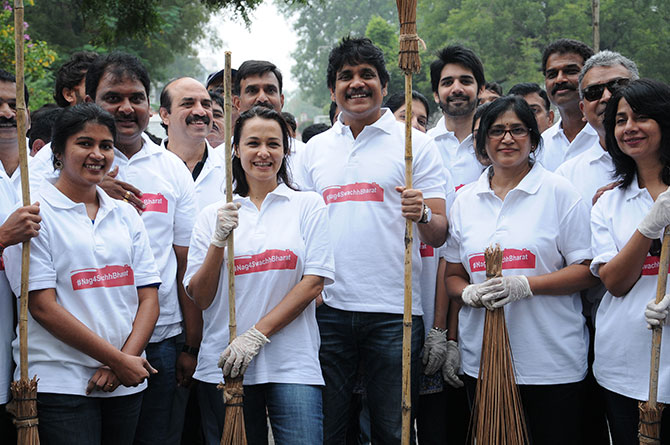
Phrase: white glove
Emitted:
{"points": [[434, 351], [657, 314], [514, 288], [226, 221], [236, 357], [658, 217], [451, 365], [473, 293]]}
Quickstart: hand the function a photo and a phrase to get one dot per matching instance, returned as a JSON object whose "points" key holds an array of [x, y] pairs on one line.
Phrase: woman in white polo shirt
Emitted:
{"points": [[282, 259], [542, 224], [93, 292], [627, 224]]}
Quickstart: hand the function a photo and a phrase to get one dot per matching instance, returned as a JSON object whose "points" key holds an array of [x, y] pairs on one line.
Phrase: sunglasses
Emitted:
{"points": [[595, 92]]}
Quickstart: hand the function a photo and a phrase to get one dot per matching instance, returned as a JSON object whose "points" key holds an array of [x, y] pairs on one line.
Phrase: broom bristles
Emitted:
{"points": [[23, 408], [233, 425], [408, 43], [497, 414], [650, 423]]}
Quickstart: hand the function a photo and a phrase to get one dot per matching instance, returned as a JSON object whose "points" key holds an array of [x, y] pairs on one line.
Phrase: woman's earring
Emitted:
{"points": [[58, 164]]}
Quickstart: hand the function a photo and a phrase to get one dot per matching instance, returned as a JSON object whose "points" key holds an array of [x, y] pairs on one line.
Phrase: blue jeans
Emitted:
{"points": [[154, 422], [78, 420], [295, 413], [374, 340]]}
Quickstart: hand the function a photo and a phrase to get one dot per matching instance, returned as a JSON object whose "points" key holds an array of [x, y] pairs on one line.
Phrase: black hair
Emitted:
{"points": [[649, 98], [566, 46], [499, 107], [239, 176], [6, 76], [479, 112], [72, 120], [495, 87], [332, 111], [397, 100], [71, 73], [255, 68], [460, 55], [216, 97], [290, 120], [526, 88], [355, 51], [119, 65], [42, 122], [312, 130]]}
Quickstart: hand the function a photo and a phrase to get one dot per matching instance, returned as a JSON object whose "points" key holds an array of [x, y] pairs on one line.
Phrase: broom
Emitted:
{"points": [[497, 414], [233, 393], [651, 411], [409, 62], [24, 392]]}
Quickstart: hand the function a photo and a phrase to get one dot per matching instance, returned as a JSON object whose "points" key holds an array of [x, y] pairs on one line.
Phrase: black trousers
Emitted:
{"points": [[623, 417]]}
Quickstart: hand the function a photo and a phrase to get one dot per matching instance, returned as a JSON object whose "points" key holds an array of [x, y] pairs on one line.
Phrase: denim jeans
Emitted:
{"points": [[295, 413], [78, 420], [154, 422], [375, 340]]}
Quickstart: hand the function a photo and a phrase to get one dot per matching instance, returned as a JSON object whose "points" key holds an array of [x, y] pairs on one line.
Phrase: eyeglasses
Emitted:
{"points": [[595, 92], [515, 132]]}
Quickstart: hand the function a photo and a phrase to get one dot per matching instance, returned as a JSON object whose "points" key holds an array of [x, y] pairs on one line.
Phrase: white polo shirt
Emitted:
{"points": [[542, 225], [274, 248], [94, 268], [623, 342], [168, 191], [8, 201], [589, 171], [357, 180], [557, 148], [458, 157], [210, 185]]}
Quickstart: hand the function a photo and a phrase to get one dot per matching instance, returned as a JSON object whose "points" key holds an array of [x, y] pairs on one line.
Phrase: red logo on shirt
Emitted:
{"points": [[108, 276], [512, 259], [155, 202], [359, 191], [651, 265], [425, 250], [272, 259], [458, 187]]}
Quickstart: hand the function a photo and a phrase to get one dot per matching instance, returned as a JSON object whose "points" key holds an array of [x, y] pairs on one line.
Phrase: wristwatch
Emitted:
{"points": [[426, 214]]}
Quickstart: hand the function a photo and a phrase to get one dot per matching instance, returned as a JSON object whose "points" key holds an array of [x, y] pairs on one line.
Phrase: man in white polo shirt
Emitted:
{"points": [[562, 61], [358, 168], [119, 83], [457, 79]]}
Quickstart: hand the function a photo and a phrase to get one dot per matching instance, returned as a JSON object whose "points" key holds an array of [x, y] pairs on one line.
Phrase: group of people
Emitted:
{"points": [[128, 286]]}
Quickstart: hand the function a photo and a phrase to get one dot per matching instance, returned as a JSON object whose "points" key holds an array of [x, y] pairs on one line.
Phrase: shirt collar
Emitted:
{"points": [[281, 191], [56, 198], [633, 190], [148, 148], [530, 183], [386, 123]]}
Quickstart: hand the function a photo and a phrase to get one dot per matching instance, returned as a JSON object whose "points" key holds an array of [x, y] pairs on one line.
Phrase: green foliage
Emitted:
{"points": [[37, 57]]}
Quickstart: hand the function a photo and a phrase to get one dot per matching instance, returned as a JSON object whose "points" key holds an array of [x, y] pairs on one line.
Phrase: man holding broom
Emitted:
{"points": [[358, 168]]}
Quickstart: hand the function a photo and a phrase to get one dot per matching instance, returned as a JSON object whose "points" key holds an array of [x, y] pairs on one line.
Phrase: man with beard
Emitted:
{"points": [[562, 61], [120, 84], [19, 226], [591, 174], [457, 79]]}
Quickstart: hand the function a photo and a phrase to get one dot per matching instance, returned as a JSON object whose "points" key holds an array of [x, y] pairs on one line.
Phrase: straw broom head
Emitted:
{"points": [[497, 415], [23, 408], [233, 427], [408, 43], [650, 423]]}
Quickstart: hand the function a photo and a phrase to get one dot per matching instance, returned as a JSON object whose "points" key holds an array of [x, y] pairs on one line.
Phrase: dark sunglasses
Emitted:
{"points": [[595, 92]]}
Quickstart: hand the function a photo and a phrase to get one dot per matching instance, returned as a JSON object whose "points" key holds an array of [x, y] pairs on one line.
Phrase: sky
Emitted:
{"points": [[270, 37]]}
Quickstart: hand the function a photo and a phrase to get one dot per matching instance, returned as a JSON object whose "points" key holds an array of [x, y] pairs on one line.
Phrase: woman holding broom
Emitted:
{"points": [[627, 224], [282, 259], [541, 224], [93, 292]]}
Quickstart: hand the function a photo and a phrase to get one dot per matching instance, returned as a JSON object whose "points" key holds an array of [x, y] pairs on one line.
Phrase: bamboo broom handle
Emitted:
{"points": [[25, 187], [228, 111], [407, 309], [657, 331]]}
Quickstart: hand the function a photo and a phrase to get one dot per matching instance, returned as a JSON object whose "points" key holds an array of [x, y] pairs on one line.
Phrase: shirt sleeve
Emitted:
{"points": [[452, 251], [575, 233], [201, 238], [185, 209], [602, 242], [319, 259], [428, 175], [144, 264]]}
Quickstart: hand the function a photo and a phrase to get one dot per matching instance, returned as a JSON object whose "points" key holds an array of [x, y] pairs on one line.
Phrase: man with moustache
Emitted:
{"points": [[120, 84], [562, 61], [457, 79]]}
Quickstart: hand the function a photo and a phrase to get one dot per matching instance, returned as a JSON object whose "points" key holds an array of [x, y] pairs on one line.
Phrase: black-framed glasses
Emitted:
{"points": [[515, 132], [595, 92]]}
